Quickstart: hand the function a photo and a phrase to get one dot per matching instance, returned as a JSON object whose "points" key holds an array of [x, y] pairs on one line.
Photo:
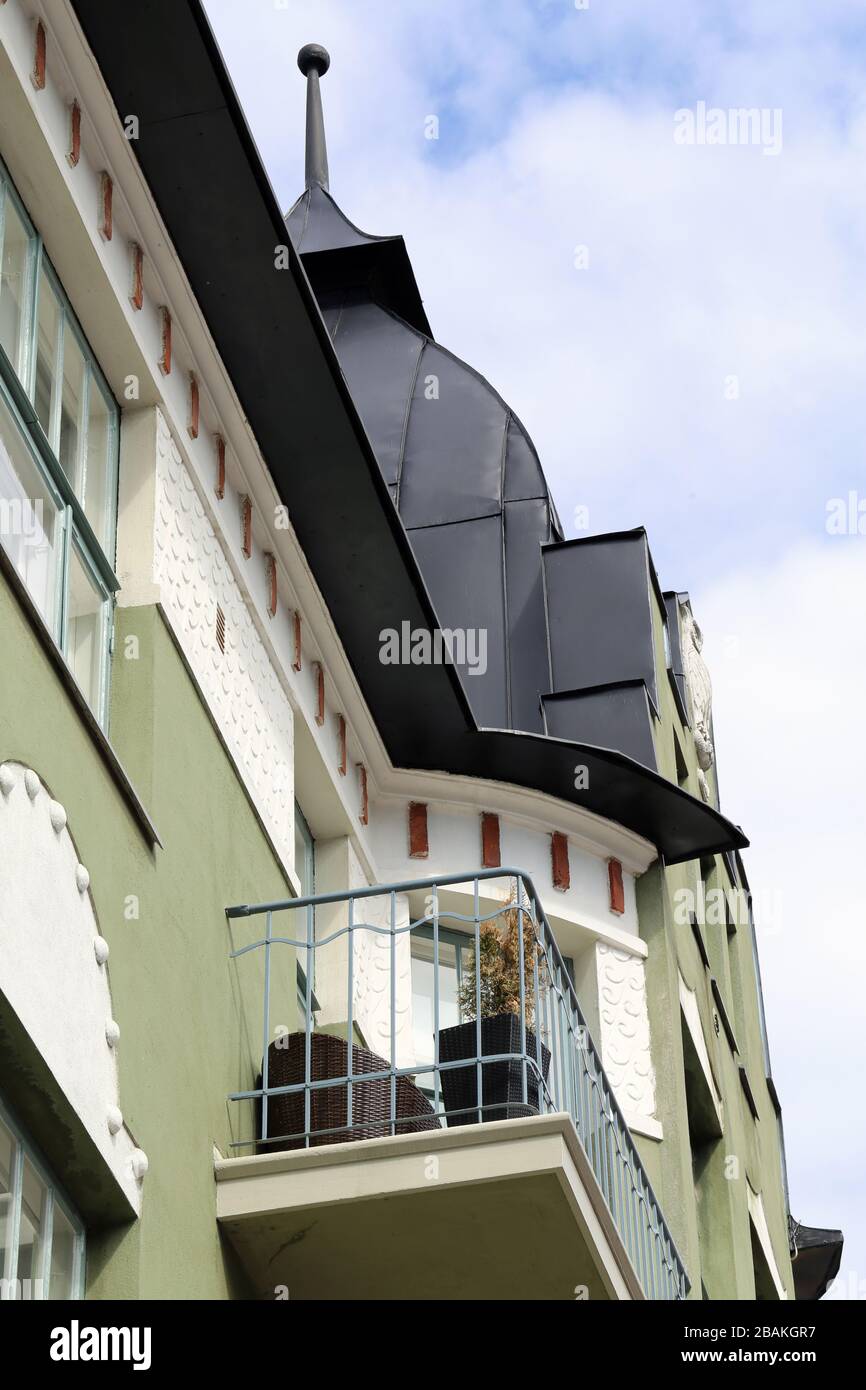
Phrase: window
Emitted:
{"points": [[41, 1238], [456, 958], [305, 854], [58, 455], [682, 766], [305, 868]]}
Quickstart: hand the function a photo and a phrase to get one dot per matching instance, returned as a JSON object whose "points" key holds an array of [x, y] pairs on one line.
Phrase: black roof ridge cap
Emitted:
{"points": [[625, 683], [623, 535]]}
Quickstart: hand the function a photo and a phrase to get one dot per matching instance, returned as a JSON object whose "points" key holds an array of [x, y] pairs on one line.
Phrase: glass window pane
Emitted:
{"points": [[99, 476], [7, 1153], [61, 1280], [85, 630], [30, 528], [14, 279], [31, 1234], [304, 854], [72, 410], [423, 982], [47, 343]]}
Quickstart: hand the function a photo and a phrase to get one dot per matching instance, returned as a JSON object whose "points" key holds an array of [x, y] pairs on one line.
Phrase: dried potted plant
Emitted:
{"points": [[491, 994]]}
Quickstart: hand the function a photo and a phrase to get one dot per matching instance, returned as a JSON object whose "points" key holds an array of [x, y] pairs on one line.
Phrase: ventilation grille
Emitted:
{"points": [[221, 629]]}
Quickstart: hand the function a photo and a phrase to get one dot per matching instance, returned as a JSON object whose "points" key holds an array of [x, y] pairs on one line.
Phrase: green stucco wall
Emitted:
{"points": [[190, 1018], [705, 1202]]}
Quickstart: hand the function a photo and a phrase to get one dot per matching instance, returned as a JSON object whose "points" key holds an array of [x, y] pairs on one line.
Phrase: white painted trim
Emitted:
{"points": [[643, 1124], [762, 1231], [524, 806], [692, 1016], [54, 971]]}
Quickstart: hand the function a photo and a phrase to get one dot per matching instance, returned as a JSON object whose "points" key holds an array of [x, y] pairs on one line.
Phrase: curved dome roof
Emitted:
{"points": [[461, 468], [561, 635]]}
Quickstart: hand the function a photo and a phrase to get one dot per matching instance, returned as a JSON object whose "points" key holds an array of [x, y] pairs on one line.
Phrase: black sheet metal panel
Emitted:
{"points": [[329, 226], [817, 1255], [461, 564], [338, 254], [527, 526], [617, 788], [612, 716], [316, 223], [370, 343], [598, 611], [455, 445], [204, 172], [677, 669]]}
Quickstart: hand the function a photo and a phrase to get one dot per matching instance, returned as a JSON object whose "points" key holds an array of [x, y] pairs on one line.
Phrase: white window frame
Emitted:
{"points": [[41, 1288], [18, 392]]}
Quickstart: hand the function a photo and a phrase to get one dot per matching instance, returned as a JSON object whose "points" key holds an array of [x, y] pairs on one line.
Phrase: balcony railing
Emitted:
{"points": [[525, 1048]]}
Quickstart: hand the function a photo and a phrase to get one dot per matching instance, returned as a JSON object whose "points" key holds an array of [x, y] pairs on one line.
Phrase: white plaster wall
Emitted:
{"points": [[49, 970], [372, 978], [624, 1040], [240, 686], [607, 945], [455, 845]]}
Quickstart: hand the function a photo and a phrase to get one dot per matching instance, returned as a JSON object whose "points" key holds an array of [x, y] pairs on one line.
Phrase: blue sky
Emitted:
{"points": [[702, 375]]}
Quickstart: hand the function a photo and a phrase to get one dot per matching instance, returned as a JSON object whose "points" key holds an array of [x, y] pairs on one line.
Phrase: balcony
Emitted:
{"points": [[433, 1119]]}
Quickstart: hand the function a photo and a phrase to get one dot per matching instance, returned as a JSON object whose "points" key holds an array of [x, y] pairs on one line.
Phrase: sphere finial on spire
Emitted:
{"points": [[314, 58], [314, 61]]}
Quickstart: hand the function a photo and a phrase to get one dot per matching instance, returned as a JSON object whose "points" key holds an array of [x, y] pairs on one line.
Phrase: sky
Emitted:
{"points": [[681, 326]]}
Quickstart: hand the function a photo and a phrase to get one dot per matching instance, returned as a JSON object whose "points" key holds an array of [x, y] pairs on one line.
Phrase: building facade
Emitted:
{"points": [[288, 620]]}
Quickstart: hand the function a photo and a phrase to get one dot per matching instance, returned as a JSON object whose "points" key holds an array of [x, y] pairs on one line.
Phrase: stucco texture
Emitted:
{"points": [[190, 1018]]}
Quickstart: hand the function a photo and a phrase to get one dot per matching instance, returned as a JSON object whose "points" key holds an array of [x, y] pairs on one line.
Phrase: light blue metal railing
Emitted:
{"points": [[570, 1078]]}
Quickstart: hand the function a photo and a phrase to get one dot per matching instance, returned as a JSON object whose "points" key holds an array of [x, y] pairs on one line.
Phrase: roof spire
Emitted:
{"points": [[314, 61]]}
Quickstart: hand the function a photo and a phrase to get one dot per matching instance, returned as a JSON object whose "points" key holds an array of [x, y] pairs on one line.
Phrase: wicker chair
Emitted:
{"points": [[371, 1100]]}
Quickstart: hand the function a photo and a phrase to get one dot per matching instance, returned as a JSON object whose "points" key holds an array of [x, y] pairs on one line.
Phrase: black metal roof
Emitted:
{"points": [[569, 624], [206, 176]]}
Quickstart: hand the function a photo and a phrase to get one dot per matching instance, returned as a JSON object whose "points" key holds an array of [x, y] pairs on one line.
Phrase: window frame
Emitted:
{"points": [[307, 882], [24, 1149], [18, 392], [463, 943]]}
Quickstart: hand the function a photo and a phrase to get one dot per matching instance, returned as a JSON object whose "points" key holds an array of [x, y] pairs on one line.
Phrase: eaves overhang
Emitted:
{"points": [[209, 184]]}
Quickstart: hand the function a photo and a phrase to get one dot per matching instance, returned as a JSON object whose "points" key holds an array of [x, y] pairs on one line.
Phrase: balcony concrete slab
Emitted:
{"points": [[508, 1210]]}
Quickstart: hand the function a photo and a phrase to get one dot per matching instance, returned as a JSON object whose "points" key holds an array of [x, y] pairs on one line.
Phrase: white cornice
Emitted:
{"points": [[524, 806]]}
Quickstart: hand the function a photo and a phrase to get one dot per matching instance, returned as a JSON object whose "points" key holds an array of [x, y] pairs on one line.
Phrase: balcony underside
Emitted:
{"points": [[509, 1210]]}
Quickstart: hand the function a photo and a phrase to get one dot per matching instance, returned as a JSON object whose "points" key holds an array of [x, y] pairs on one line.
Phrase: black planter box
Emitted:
{"points": [[501, 1082]]}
